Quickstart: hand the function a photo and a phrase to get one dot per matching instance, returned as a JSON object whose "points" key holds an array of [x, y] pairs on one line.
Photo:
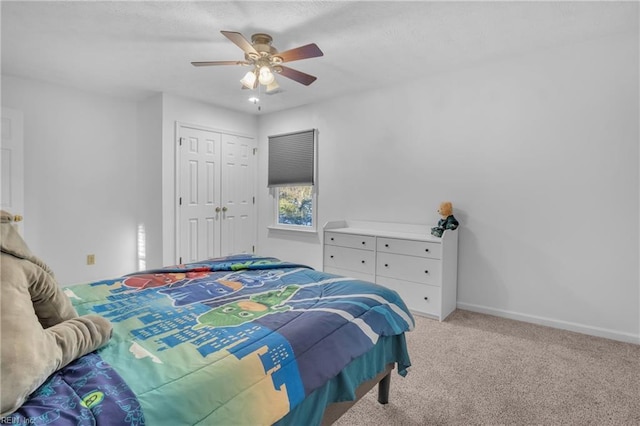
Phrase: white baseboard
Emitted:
{"points": [[563, 325]]}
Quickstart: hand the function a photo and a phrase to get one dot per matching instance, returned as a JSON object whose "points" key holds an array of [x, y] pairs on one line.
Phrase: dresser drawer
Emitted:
{"points": [[409, 268], [421, 298], [362, 261], [410, 247], [364, 242]]}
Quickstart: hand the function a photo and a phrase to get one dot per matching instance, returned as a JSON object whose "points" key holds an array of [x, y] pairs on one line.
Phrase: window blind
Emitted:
{"points": [[291, 159]]}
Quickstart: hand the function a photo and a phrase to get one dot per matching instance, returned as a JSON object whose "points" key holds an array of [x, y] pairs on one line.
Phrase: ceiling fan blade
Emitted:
{"points": [[240, 41], [299, 76], [302, 52], [211, 63]]}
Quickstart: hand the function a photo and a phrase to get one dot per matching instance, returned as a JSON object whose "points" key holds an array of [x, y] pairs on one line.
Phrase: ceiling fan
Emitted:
{"points": [[266, 61]]}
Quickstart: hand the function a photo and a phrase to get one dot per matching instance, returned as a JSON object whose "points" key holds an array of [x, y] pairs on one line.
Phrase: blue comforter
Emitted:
{"points": [[237, 340]]}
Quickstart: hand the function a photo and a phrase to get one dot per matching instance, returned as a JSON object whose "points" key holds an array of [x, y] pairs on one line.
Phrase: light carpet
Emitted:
{"points": [[476, 369]]}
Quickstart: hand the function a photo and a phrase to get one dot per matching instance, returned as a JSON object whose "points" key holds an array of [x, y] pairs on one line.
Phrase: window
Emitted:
{"points": [[295, 205], [292, 179]]}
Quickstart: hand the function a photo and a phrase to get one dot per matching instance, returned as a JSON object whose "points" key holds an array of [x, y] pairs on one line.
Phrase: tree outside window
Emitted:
{"points": [[295, 205]]}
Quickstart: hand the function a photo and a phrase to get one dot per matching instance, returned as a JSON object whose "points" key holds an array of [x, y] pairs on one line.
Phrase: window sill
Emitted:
{"points": [[292, 229]]}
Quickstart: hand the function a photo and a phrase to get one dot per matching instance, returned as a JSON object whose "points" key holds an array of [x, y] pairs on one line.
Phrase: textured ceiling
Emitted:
{"points": [[136, 49]]}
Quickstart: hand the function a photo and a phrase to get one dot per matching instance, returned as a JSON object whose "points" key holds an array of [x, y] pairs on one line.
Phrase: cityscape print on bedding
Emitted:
{"points": [[261, 327]]}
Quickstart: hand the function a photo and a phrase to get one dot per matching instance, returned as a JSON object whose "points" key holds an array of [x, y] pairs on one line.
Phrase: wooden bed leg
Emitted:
{"points": [[383, 389]]}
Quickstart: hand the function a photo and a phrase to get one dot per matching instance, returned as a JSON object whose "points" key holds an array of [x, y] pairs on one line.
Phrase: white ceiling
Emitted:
{"points": [[136, 49]]}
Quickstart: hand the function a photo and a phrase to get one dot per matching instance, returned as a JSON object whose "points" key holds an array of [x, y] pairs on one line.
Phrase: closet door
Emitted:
{"points": [[199, 209], [238, 189], [215, 210], [12, 167]]}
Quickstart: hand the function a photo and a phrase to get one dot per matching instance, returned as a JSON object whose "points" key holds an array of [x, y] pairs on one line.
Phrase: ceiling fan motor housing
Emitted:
{"points": [[262, 44]]}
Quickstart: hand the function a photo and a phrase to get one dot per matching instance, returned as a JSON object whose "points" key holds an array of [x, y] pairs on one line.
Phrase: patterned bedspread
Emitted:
{"points": [[86, 392], [236, 340]]}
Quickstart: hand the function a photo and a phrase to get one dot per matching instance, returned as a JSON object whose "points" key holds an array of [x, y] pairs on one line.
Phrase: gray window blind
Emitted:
{"points": [[291, 159]]}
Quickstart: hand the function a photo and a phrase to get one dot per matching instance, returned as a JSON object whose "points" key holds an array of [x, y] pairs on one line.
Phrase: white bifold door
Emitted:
{"points": [[216, 194], [12, 164]]}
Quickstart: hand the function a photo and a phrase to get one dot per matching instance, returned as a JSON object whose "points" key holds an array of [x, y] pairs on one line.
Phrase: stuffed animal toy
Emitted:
{"points": [[41, 330], [447, 221]]}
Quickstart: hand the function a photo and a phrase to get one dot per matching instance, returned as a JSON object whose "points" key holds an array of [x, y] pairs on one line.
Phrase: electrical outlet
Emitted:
{"points": [[91, 259]]}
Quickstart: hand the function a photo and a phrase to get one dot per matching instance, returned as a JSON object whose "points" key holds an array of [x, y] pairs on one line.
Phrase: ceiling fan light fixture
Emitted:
{"points": [[249, 80], [266, 77], [273, 86]]}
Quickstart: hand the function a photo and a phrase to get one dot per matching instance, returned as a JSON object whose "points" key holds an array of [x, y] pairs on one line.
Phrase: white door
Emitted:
{"points": [[199, 209], [11, 157], [216, 194], [238, 189]]}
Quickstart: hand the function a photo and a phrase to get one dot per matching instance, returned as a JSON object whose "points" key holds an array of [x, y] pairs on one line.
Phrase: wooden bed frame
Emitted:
{"points": [[383, 380]]}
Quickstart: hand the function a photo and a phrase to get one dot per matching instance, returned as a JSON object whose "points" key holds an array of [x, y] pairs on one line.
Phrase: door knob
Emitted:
{"points": [[17, 218]]}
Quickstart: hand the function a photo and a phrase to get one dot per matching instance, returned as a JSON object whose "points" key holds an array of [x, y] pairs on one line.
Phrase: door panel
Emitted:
{"points": [[12, 178], [238, 223], [198, 183]]}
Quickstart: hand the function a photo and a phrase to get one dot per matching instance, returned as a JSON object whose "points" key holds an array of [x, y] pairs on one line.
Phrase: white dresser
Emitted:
{"points": [[422, 268]]}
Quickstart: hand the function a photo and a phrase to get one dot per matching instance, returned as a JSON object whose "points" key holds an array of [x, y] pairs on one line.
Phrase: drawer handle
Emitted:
{"points": [[426, 298], [386, 245], [426, 272], [331, 256], [386, 265], [331, 238], [364, 242], [427, 250], [363, 261]]}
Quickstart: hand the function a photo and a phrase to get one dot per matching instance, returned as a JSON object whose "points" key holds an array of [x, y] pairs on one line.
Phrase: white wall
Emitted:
{"points": [[97, 169], [539, 154], [80, 178], [179, 109], [149, 171]]}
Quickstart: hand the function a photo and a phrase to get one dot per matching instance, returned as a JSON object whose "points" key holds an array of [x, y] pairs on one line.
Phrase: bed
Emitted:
{"points": [[237, 340]]}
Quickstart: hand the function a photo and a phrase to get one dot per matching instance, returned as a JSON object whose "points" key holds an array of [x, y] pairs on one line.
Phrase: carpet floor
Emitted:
{"points": [[476, 369]]}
